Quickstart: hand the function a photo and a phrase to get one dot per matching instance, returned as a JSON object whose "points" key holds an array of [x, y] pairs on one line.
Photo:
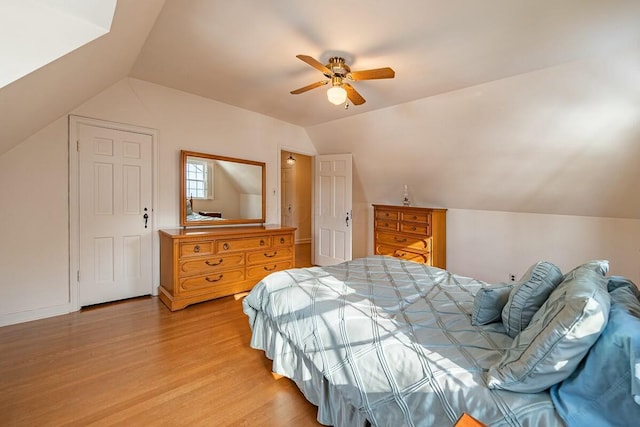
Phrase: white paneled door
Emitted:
{"points": [[115, 208], [333, 209]]}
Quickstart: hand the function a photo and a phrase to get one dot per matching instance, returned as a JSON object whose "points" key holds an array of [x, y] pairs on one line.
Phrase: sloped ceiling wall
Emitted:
{"points": [[32, 102], [562, 140]]}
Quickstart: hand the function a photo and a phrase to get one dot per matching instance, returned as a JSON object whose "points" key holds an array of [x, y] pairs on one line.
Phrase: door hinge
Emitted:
{"points": [[78, 275], [78, 145]]}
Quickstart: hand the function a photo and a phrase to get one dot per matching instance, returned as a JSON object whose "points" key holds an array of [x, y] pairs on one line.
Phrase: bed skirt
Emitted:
{"points": [[290, 362]]}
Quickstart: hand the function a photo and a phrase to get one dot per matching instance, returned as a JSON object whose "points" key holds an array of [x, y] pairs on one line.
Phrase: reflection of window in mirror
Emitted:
{"points": [[199, 179]]}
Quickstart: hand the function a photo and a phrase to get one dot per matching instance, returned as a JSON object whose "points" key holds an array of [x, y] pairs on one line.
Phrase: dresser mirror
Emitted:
{"points": [[216, 190]]}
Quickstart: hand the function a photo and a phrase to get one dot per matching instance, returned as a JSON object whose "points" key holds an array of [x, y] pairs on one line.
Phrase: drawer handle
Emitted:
{"points": [[415, 217], [400, 240], [414, 228], [387, 215], [225, 246], [270, 269], [272, 255], [386, 224], [400, 254], [282, 240], [261, 242], [196, 248], [213, 264], [209, 279]]}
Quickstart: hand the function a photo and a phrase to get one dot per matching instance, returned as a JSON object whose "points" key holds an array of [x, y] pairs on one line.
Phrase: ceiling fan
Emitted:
{"points": [[339, 74]]}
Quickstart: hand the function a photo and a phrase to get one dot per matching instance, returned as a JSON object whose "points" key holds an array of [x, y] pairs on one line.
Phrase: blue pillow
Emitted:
{"points": [[558, 337], [528, 295], [601, 391], [488, 304]]}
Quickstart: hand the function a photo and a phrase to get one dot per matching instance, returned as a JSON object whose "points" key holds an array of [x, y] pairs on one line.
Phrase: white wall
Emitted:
{"points": [[250, 206], [34, 256], [492, 245]]}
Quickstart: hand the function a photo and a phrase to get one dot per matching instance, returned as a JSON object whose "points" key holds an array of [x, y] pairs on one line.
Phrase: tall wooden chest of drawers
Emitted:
{"points": [[200, 264], [411, 233]]}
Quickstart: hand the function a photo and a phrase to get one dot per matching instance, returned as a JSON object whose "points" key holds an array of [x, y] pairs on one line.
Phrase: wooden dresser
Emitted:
{"points": [[411, 233], [200, 264]]}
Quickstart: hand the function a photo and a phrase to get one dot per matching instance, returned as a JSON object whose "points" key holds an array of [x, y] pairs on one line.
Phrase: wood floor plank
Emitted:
{"points": [[137, 363]]}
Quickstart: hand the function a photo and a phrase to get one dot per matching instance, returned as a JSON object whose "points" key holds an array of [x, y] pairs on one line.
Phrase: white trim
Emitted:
{"points": [[282, 148], [35, 314], [74, 219]]}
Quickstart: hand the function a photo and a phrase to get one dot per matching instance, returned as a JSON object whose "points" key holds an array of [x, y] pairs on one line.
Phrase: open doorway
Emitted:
{"points": [[296, 198]]}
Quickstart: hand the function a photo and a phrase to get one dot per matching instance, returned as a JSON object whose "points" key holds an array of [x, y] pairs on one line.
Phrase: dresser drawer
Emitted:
{"points": [[189, 249], [243, 244], [210, 264], [257, 272], [421, 229], [405, 240], [422, 217], [421, 257], [208, 281], [282, 240], [389, 225], [387, 214], [261, 257]]}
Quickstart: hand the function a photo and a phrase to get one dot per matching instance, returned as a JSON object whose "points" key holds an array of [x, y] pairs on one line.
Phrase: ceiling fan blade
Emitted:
{"points": [[309, 87], [377, 73], [353, 95], [315, 64]]}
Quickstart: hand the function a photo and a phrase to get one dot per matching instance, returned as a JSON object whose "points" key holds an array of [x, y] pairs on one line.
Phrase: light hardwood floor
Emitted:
{"points": [[135, 363]]}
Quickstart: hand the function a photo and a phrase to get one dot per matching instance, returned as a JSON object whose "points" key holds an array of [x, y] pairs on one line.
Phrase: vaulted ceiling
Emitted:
{"points": [[243, 53]]}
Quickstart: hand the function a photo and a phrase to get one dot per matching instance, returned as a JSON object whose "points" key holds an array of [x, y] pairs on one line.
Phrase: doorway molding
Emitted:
{"points": [[74, 218], [294, 151]]}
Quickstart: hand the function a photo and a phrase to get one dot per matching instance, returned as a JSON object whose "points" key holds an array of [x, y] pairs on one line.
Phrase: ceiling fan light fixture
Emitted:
{"points": [[337, 95]]}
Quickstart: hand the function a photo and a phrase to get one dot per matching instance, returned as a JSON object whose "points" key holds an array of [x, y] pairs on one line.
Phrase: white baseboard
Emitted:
{"points": [[29, 315]]}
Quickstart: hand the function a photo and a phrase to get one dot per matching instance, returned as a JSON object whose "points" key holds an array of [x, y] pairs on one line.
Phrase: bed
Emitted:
{"points": [[201, 215], [386, 342]]}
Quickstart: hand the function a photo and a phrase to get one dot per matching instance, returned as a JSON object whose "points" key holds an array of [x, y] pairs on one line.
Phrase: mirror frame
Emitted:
{"points": [[183, 191]]}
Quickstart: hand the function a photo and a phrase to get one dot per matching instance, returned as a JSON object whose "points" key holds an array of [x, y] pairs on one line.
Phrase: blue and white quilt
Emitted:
{"points": [[385, 342]]}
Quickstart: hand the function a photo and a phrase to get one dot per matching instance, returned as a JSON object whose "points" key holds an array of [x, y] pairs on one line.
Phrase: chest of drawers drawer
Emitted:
{"points": [[420, 243], [409, 255], [385, 224], [415, 228], [275, 254], [387, 214], [421, 217], [242, 244], [282, 240], [196, 248], [190, 266], [193, 284], [258, 272]]}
